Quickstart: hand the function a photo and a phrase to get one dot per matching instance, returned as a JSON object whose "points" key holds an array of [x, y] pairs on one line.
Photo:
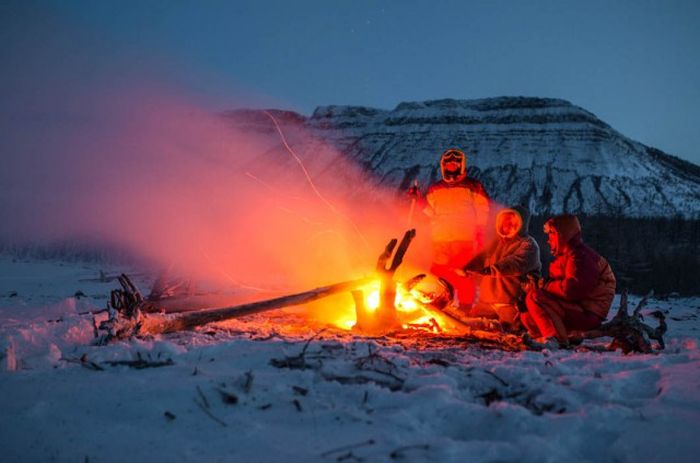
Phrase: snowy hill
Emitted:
{"points": [[546, 153]]}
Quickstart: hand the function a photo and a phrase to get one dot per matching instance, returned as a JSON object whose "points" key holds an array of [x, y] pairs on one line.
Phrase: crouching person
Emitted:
{"points": [[504, 265], [580, 289]]}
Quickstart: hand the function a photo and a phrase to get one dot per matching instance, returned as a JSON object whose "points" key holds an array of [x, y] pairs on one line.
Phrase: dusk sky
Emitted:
{"points": [[635, 64]]}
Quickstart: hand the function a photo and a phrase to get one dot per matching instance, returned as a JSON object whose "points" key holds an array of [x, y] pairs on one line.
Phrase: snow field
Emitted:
{"points": [[242, 391]]}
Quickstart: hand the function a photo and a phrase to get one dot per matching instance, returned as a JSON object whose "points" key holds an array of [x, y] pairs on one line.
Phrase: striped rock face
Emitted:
{"points": [[547, 154]]}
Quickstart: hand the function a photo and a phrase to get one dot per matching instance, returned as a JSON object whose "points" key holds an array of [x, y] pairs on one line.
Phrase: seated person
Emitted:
{"points": [[504, 265], [579, 291]]}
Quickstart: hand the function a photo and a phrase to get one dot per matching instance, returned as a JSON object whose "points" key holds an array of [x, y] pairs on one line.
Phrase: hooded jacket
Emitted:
{"points": [[578, 273], [509, 259]]}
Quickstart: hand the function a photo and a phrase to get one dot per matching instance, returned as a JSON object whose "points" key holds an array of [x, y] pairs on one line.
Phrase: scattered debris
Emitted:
{"points": [[229, 398], [203, 404], [348, 447], [140, 362], [83, 362], [248, 381], [298, 362], [399, 452], [629, 332]]}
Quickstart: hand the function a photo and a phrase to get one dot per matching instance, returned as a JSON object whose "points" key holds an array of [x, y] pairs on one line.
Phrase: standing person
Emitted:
{"points": [[504, 265], [458, 207], [579, 291]]}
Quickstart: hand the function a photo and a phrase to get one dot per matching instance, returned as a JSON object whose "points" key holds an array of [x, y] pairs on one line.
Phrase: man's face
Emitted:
{"points": [[451, 164]]}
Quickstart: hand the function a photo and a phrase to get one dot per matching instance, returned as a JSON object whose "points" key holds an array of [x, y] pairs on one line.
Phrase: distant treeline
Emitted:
{"points": [[71, 250], [645, 254]]}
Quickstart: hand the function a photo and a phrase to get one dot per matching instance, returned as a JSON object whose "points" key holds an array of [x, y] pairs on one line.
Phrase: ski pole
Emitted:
{"points": [[413, 204]]}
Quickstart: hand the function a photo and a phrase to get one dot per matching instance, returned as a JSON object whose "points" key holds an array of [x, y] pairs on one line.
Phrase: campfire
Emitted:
{"points": [[412, 310], [382, 306]]}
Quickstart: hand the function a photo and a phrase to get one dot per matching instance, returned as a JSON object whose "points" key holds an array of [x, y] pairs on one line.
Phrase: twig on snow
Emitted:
{"points": [[298, 362], [348, 447], [202, 396], [203, 404], [398, 453]]}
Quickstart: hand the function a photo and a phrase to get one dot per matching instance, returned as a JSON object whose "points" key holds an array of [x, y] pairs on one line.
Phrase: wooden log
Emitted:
{"points": [[133, 315], [386, 313], [197, 302], [162, 323]]}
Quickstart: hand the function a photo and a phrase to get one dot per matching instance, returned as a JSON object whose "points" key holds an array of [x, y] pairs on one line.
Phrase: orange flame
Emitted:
{"points": [[411, 312]]}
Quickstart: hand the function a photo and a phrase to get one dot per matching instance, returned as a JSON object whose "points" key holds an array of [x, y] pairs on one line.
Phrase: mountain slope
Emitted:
{"points": [[546, 153]]}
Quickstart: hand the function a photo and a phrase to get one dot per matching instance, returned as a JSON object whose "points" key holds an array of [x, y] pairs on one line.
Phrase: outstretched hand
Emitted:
{"points": [[465, 273]]}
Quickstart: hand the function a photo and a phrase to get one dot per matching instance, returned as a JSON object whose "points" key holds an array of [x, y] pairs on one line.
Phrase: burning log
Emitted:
{"points": [[385, 318], [387, 292], [130, 320], [132, 315], [629, 332]]}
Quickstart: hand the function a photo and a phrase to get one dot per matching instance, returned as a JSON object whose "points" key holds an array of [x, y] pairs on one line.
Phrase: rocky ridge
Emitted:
{"points": [[545, 153]]}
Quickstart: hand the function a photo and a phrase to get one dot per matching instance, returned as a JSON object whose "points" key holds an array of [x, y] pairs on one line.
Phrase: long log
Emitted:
{"points": [[139, 323], [133, 315], [198, 302], [161, 324]]}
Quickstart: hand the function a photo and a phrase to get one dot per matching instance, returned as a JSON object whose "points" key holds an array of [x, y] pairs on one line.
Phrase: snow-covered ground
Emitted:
{"points": [[243, 391]]}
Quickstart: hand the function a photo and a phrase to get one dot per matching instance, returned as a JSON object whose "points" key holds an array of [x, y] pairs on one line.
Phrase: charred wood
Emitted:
{"points": [[385, 318]]}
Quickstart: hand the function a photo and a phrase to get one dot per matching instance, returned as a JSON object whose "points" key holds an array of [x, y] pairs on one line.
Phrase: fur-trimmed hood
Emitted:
{"points": [[522, 212]]}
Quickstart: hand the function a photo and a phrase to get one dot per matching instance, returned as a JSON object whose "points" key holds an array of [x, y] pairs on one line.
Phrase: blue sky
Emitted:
{"points": [[635, 64]]}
